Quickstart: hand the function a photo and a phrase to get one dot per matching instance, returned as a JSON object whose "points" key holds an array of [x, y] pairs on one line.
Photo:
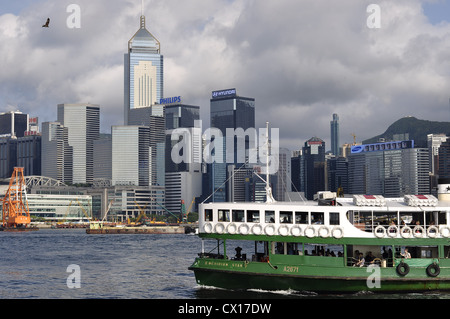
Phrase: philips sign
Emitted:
{"points": [[169, 100], [223, 93]]}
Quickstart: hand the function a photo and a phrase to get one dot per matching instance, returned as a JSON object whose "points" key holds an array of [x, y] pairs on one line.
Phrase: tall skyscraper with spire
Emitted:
{"points": [[143, 74], [334, 125]]}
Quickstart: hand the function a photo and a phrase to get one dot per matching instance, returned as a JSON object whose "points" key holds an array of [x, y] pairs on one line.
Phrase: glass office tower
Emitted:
{"points": [[334, 126], [143, 71], [228, 110]]}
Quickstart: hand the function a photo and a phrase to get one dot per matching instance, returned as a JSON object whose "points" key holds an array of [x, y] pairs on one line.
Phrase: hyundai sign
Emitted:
{"points": [[223, 93], [388, 146]]}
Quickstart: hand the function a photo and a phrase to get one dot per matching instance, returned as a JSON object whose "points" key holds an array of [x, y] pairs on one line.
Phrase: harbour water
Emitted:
{"points": [[34, 265]]}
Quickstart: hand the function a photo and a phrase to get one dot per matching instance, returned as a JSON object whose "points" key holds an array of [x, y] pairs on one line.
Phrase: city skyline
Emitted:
{"points": [[323, 59]]}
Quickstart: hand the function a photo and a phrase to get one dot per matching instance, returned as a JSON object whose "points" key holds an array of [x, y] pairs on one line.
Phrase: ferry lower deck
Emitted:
{"points": [[302, 264]]}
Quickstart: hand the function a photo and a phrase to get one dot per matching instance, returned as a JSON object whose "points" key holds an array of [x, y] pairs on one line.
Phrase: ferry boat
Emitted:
{"points": [[333, 244], [353, 244]]}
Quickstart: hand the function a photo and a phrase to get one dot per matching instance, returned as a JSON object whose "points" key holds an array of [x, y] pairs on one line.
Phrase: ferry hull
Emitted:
{"points": [[268, 280]]}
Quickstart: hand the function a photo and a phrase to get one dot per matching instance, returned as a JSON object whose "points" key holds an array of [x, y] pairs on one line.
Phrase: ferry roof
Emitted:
{"points": [[347, 202]]}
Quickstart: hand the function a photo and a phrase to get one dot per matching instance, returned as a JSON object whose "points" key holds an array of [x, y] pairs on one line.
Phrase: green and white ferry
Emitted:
{"points": [[333, 244]]}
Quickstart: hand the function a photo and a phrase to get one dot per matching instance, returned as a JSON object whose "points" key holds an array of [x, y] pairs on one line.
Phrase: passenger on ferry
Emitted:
{"points": [[361, 261], [369, 257], [406, 254]]}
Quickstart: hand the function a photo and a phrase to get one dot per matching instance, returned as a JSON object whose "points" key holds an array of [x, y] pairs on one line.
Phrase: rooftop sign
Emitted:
{"points": [[223, 93], [388, 146]]}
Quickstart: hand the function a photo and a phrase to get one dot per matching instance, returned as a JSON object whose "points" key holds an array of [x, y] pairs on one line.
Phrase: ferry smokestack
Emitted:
{"points": [[444, 189]]}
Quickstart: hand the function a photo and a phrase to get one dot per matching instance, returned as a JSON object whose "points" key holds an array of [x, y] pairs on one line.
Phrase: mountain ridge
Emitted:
{"points": [[416, 128]]}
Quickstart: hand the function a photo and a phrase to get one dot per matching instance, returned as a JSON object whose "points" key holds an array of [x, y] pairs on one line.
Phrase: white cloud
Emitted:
{"points": [[301, 60]]}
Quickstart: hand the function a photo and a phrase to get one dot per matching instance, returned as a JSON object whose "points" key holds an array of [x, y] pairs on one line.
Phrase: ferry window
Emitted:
{"points": [[278, 248], [238, 215], [382, 218], [323, 250], [417, 251], [253, 216], [435, 218], [208, 215], [317, 218], [270, 216], [285, 217], [301, 217], [334, 218], [224, 215], [287, 248], [442, 218], [446, 251]]}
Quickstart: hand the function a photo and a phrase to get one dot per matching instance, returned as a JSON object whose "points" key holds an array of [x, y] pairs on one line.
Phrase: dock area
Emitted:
{"points": [[138, 230]]}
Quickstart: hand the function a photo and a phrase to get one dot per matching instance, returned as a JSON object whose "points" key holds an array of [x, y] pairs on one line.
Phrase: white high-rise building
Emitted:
{"points": [[56, 152], [83, 124], [130, 155]]}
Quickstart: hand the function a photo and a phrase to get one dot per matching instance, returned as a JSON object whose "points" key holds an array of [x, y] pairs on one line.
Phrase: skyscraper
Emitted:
{"points": [[228, 111], [83, 124], [444, 160], [334, 125], [313, 177], [153, 118], [56, 152], [13, 123], [130, 155], [391, 169], [143, 73]]}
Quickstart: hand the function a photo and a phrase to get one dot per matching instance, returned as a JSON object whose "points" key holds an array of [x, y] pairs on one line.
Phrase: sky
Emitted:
{"points": [[302, 60]]}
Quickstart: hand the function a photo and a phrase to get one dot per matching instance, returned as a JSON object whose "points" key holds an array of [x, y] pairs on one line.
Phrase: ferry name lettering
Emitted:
{"points": [[215, 263]]}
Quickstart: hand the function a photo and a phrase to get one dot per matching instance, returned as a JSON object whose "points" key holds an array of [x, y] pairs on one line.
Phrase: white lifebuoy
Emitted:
{"points": [[391, 233], [310, 231], [324, 231], [444, 231], [231, 228], [432, 231], [269, 230], [296, 231], [208, 228], [219, 228], [418, 231], [379, 234], [257, 229], [406, 232], [244, 229], [283, 230], [338, 230]]}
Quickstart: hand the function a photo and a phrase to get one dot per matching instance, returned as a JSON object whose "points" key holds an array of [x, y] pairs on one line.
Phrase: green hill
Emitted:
{"points": [[417, 130]]}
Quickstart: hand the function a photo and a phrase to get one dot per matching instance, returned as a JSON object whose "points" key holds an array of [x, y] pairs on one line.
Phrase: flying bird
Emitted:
{"points": [[46, 23]]}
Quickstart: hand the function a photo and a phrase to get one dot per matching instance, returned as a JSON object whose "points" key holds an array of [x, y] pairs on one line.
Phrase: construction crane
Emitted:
{"points": [[84, 211], [354, 138], [15, 205], [185, 213], [142, 212], [65, 215]]}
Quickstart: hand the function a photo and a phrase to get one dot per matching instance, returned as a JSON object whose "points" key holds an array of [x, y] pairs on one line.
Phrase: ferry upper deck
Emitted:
{"points": [[360, 216]]}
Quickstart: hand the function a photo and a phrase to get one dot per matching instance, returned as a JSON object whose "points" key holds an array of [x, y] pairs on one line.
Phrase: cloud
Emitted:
{"points": [[301, 60]]}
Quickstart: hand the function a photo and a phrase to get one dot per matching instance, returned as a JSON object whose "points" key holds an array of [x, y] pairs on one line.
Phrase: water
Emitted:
{"points": [[33, 265]]}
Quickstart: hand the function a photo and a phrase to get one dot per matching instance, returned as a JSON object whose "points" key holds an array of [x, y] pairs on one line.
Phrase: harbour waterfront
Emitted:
{"points": [[33, 265]]}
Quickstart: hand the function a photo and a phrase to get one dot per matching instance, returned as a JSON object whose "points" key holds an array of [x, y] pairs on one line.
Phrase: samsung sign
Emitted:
{"points": [[389, 146], [169, 100], [223, 93]]}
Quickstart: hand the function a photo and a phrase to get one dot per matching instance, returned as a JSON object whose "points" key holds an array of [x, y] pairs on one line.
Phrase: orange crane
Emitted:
{"points": [[15, 204]]}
